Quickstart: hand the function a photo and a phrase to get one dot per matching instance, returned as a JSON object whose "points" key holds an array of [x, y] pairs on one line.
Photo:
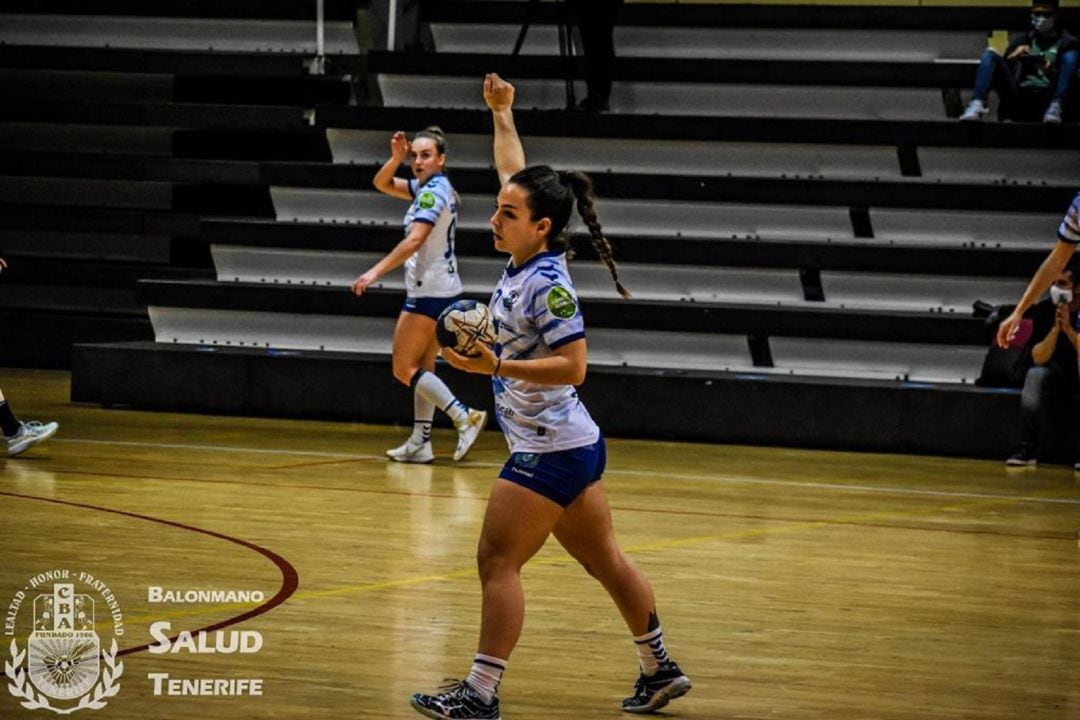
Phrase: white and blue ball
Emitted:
{"points": [[464, 323]]}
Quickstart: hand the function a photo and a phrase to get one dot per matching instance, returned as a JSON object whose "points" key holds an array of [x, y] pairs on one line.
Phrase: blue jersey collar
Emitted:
{"points": [[511, 271], [436, 175]]}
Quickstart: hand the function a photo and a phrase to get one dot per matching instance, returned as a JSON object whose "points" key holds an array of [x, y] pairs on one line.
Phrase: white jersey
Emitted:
{"points": [[536, 311], [431, 271], [1070, 225]]}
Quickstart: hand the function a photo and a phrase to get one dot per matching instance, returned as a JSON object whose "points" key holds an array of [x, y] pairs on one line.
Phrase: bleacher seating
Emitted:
{"points": [[798, 220]]}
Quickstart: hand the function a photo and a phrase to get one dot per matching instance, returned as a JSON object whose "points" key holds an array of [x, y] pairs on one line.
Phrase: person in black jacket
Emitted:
{"points": [[596, 23], [1053, 374], [1035, 74]]}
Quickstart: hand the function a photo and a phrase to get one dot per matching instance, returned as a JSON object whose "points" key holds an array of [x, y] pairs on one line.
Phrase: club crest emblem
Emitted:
{"points": [[63, 660]]}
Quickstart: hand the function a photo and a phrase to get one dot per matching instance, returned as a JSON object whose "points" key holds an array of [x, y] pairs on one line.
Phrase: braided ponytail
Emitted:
{"points": [[552, 195], [581, 186]]}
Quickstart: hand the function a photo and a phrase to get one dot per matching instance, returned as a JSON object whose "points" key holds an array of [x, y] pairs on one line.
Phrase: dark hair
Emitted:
{"points": [[436, 135], [552, 195]]}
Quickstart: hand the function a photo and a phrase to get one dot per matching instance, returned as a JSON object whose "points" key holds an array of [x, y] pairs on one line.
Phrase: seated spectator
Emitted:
{"points": [[1053, 373], [1035, 74]]}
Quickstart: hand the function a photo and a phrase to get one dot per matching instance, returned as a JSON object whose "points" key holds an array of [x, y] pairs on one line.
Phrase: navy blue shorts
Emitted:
{"points": [[428, 306], [558, 476]]}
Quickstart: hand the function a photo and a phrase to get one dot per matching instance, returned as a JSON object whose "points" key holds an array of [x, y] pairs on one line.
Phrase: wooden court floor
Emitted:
{"points": [[791, 584]]}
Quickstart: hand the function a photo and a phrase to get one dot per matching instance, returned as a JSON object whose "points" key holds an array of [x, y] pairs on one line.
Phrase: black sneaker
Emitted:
{"points": [[457, 701], [652, 692], [1021, 458]]}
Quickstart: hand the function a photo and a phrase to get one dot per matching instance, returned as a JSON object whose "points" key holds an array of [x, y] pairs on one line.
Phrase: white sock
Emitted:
{"points": [[485, 676], [651, 651], [429, 386], [423, 412]]}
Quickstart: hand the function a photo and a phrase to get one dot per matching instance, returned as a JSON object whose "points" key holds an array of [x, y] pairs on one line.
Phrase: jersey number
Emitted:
{"points": [[449, 254]]}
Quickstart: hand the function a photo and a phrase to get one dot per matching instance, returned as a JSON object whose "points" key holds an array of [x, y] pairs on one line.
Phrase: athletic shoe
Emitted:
{"points": [[457, 701], [468, 431], [30, 433], [1021, 458], [976, 109], [1053, 113], [652, 692], [411, 452]]}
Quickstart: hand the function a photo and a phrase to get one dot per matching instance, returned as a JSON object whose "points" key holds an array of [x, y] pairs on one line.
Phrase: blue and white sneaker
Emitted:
{"points": [[1053, 113], [975, 111], [457, 701], [30, 433], [652, 692]]}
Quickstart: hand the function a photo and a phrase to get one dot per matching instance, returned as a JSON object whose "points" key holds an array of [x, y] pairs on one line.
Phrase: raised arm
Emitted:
{"points": [[384, 180], [1044, 277], [509, 153]]}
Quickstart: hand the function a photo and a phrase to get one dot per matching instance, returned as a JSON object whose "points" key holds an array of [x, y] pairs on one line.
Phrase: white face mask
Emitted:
{"points": [[1042, 23], [1060, 296]]}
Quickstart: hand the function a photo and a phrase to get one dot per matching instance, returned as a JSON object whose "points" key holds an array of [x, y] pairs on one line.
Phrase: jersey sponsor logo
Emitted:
{"points": [[561, 303], [426, 201]]}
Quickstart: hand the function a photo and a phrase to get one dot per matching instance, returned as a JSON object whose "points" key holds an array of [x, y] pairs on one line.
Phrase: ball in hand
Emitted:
{"points": [[464, 323]]}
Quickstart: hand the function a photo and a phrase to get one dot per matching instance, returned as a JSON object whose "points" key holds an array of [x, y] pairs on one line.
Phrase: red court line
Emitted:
{"points": [[624, 508], [290, 579]]}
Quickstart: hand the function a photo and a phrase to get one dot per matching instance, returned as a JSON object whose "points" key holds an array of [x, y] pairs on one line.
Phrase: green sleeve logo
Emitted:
{"points": [[427, 200], [561, 303]]}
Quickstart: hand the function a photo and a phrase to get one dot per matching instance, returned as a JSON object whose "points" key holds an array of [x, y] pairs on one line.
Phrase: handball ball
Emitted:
{"points": [[464, 322]]}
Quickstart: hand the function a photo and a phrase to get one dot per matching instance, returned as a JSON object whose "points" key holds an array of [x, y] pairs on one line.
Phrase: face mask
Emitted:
{"points": [[1060, 296], [1042, 23]]}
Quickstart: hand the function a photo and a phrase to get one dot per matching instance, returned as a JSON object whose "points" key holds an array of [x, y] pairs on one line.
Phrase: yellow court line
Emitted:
{"points": [[787, 527], [779, 527]]}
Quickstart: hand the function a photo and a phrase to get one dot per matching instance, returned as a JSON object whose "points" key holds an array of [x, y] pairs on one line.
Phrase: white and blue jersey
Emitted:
{"points": [[536, 311], [432, 270], [1070, 226]]}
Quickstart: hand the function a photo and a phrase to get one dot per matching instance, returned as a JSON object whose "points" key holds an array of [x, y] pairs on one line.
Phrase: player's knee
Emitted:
{"points": [[404, 372], [605, 566], [590, 567], [492, 560]]}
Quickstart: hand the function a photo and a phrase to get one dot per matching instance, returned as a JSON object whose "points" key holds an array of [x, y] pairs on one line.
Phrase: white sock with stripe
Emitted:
{"points": [[485, 676], [423, 413], [651, 651], [430, 387]]}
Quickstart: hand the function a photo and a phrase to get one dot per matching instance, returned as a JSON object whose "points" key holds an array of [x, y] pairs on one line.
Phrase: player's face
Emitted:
{"points": [[514, 230], [425, 158]]}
